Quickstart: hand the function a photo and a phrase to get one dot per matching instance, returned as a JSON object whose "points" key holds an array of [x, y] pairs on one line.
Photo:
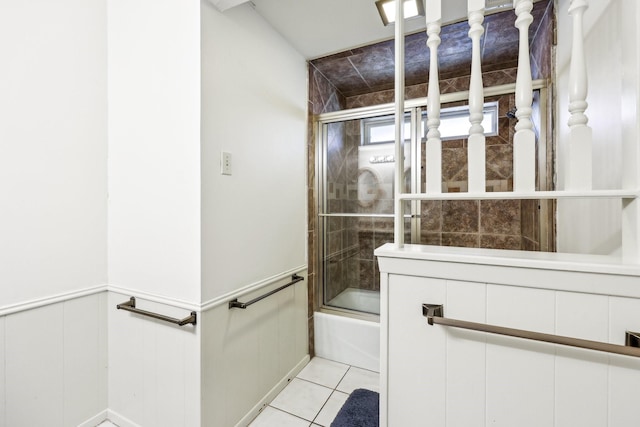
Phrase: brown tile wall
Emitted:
{"points": [[496, 224]]}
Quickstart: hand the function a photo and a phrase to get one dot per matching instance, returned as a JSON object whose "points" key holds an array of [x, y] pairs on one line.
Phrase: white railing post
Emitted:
{"points": [[579, 151], [433, 165], [399, 121], [524, 141], [476, 143]]}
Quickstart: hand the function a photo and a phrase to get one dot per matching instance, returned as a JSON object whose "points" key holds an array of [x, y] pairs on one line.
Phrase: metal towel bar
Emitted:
{"points": [[435, 315], [131, 306], [237, 304]]}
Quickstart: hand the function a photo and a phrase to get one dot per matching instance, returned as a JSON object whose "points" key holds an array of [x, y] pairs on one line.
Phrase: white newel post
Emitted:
{"points": [[524, 141], [476, 144], [579, 151], [433, 166]]}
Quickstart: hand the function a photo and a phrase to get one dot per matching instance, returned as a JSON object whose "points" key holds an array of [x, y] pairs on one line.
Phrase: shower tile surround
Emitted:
{"points": [[364, 77]]}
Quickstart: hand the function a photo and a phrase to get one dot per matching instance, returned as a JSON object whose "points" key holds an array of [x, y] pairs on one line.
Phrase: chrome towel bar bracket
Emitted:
{"points": [[237, 304], [131, 306], [435, 315]]}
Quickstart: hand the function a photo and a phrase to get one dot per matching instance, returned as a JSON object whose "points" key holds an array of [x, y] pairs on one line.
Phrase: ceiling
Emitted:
{"points": [[318, 28], [347, 42], [371, 68]]}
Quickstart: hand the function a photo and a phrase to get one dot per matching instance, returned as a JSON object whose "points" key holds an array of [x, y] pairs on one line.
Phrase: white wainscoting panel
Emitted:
{"points": [[624, 372], [85, 358], [420, 379], [248, 355], [34, 367], [153, 366], [519, 372], [466, 355], [55, 366], [581, 376]]}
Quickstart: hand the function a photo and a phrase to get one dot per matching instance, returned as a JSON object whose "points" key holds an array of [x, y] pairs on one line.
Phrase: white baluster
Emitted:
{"points": [[578, 164], [476, 143], [399, 128], [524, 141], [434, 144]]}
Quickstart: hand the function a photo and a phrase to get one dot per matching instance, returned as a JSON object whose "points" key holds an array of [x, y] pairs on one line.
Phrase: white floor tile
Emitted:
{"points": [[324, 372], [271, 417], [359, 378], [331, 409], [107, 424], [302, 398]]}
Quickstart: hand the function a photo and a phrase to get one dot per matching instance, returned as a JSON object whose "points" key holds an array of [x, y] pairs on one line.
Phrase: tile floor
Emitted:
{"points": [[316, 395]]}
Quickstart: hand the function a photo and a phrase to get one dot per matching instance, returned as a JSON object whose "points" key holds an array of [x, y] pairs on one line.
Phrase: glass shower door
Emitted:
{"points": [[356, 207]]}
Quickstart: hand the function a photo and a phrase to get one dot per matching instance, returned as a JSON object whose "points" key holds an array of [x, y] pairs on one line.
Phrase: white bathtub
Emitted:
{"points": [[358, 300], [347, 340]]}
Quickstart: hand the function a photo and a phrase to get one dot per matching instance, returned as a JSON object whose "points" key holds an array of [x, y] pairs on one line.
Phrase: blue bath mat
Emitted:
{"points": [[360, 410]]}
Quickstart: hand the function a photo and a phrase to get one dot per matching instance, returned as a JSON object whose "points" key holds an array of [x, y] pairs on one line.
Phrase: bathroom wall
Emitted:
{"points": [[493, 224], [73, 248], [154, 210], [253, 99], [53, 216], [53, 148], [154, 147], [254, 106]]}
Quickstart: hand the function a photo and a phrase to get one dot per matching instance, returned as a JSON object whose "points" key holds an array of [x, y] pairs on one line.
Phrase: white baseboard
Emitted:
{"points": [[95, 420], [264, 402], [122, 421], [119, 420]]}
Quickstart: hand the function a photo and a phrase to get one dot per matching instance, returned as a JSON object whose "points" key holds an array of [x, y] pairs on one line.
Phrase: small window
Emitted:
{"points": [[382, 130], [454, 124]]}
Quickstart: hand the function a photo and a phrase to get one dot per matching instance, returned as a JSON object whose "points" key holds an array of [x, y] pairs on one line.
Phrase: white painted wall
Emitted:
{"points": [[611, 45], [91, 89], [254, 105], [53, 214], [154, 146], [53, 127]]}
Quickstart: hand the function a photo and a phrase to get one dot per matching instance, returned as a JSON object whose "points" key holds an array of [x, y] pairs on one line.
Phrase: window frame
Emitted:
{"points": [[491, 108]]}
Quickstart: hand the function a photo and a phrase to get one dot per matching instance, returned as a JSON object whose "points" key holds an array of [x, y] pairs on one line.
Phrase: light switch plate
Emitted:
{"points": [[225, 163]]}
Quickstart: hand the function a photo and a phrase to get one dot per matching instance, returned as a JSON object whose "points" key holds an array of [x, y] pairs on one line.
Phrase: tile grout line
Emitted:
{"points": [[331, 394], [332, 389]]}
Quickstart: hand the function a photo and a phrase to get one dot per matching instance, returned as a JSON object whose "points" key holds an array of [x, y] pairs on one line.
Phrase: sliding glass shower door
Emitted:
{"points": [[356, 171], [357, 166]]}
